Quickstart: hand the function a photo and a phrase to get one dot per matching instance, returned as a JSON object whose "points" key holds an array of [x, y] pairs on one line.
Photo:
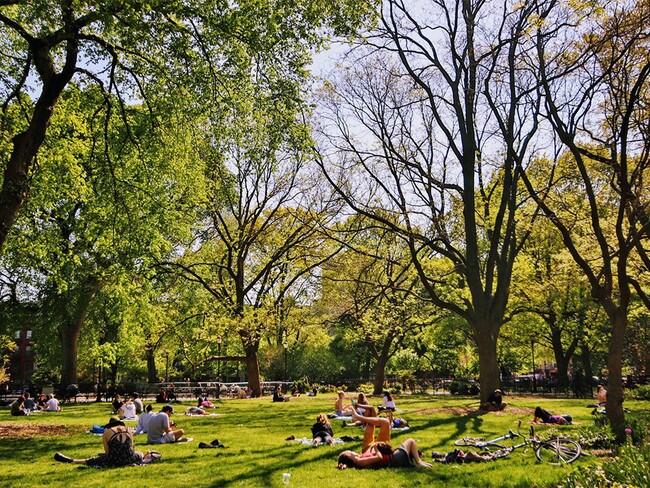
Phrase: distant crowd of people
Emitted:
{"points": [[25, 404]]}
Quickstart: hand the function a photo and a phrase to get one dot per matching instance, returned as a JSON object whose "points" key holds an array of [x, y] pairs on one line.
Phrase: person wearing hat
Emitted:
{"points": [[160, 431], [494, 402]]}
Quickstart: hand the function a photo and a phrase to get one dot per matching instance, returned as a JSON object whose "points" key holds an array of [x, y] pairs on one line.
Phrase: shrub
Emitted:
{"points": [[463, 387], [302, 385], [366, 388], [592, 437], [629, 468], [643, 392]]}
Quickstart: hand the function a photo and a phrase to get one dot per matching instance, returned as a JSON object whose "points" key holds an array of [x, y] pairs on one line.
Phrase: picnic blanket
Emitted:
{"points": [[309, 442], [346, 418]]}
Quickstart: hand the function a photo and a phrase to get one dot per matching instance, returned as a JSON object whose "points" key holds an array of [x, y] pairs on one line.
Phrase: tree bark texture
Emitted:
{"points": [[69, 332]]}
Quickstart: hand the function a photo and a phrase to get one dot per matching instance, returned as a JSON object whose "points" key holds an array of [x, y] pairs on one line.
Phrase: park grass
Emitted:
{"points": [[254, 431]]}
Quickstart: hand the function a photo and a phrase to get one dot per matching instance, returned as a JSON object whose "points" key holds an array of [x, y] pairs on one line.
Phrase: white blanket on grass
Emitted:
{"points": [[308, 441]]}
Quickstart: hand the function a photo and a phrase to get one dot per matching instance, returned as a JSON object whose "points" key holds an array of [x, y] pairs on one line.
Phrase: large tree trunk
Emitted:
{"points": [[253, 369], [69, 332], [615, 412], [69, 347], [16, 182], [585, 358], [380, 374], [560, 358], [152, 372], [489, 380]]}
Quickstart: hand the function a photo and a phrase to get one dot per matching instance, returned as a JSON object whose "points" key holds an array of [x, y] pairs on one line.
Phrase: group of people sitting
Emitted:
{"points": [[25, 404], [361, 406], [128, 409], [278, 396], [375, 452], [118, 443]]}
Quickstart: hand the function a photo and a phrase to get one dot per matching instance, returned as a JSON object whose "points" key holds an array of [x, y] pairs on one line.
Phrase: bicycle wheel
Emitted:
{"points": [[558, 451]]}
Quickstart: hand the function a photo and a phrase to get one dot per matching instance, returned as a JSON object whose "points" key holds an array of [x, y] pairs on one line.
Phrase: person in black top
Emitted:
{"points": [[278, 396], [118, 448], [322, 430], [494, 402]]}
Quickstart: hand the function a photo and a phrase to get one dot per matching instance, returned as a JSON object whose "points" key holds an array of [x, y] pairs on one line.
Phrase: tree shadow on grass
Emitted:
{"points": [[267, 470], [472, 421]]}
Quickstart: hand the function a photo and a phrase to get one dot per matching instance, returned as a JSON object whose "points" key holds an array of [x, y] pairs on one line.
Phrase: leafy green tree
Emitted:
{"points": [[372, 290], [96, 215], [594, 78], [258, 246], [428, 125], [143, 51], [549, 285]]}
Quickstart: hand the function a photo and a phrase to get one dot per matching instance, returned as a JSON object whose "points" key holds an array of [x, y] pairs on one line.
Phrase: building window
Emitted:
{"points": [[17, 334], [29, 334]]}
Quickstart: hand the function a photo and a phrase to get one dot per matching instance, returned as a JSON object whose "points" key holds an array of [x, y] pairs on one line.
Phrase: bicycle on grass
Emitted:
{"points": [[556, 451]]}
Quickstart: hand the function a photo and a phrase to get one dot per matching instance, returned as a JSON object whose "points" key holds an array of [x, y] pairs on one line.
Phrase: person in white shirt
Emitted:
{"points": [[143, 422], [388, 405], [127, 411], [52, 404], [139, 407]]}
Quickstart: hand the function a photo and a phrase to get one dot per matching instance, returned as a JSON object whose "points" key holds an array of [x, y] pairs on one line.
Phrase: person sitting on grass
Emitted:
{"points": [[118, 448], [160, 431], [30, 404], [279, 397], [52, 404], [117, 404], [18, 407], [545, 417], [139, 407], [322, 431], [143, 421], [363, 408], [378, 453], [494, 402], [387, 405], [41, 403], [127, 411], [340, 409], [204, 402]]}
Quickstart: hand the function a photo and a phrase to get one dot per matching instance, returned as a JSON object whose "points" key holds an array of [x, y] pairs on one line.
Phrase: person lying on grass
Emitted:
{"points": [[118, 449], [196, 411], [379, 453], [458, 456], [543, 416]]}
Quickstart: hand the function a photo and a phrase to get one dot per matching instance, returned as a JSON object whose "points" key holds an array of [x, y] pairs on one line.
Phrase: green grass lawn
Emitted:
{"points": [[254, 431]]}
